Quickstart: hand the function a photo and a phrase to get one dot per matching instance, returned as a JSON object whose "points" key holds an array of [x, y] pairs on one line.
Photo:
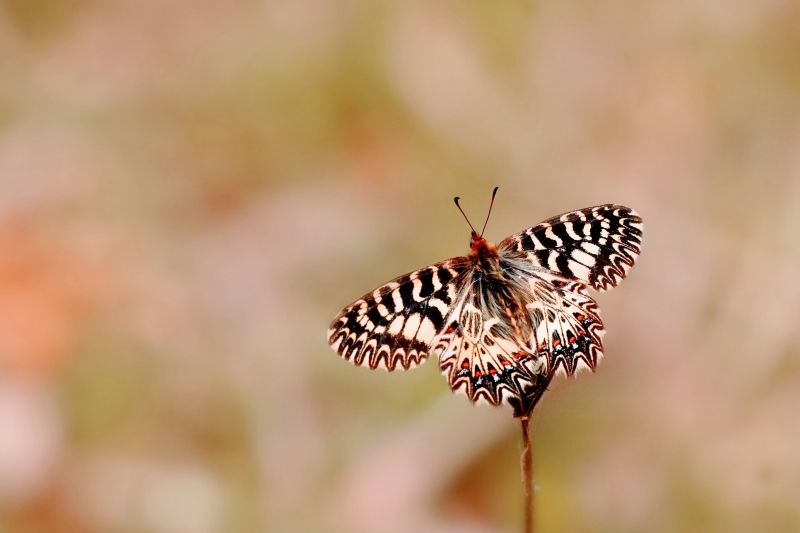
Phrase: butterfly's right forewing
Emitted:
{"points": [[595, 246], [592, 247]]}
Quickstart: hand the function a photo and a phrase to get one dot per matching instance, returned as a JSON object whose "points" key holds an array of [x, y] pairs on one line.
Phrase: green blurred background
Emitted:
{"points": [[191, 190]]}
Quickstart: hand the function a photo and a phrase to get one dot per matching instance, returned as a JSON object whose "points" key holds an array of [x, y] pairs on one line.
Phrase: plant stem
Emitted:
{"points": [[527, 472]]}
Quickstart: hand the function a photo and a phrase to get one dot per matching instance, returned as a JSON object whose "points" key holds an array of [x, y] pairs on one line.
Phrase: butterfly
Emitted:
{"points": [[502, 320]]}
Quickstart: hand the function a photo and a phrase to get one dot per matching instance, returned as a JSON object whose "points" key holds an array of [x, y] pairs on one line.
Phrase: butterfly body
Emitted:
{"points": [[503, 319]]}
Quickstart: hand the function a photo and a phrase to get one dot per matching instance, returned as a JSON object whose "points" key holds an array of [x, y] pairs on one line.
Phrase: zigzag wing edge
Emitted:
{"points": [[394, 326]]}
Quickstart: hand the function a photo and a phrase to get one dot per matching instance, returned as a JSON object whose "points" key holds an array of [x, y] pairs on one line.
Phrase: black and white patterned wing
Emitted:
{"points": [[506, 345], [488, 366], [394, 326], [596, 246], [566, 328]]}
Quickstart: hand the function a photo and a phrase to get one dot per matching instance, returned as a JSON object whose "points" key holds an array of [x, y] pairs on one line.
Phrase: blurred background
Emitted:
{"points": [[191, 190]]}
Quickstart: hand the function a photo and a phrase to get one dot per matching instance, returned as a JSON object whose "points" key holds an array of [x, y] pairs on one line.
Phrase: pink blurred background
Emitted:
{"points": [[189, 191]]}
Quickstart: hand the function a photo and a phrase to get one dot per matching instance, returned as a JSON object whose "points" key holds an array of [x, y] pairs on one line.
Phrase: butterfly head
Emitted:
{"points": [[477, 243], [475, 239], [480, 248]]}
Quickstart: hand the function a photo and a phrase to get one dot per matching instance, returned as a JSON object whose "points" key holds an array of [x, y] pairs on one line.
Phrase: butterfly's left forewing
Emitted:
{"points": [[394, 326]]}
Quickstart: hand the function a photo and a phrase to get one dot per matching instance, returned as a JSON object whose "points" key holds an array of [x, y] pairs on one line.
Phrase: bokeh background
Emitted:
{"points": [[190, 190]]}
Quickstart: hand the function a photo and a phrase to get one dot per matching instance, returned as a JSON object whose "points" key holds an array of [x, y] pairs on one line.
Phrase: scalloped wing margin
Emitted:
{"points": [[394, 326], [596, 246]]}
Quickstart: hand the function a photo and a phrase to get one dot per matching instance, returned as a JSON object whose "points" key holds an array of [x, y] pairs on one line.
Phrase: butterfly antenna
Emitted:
{"points": [[494, 192], [465, 216]]}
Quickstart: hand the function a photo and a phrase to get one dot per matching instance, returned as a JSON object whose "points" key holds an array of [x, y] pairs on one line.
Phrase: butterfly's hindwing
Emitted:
{"points": [[596, 246], [486, 368], [493, 354], [568, 331], [394, 326]]}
